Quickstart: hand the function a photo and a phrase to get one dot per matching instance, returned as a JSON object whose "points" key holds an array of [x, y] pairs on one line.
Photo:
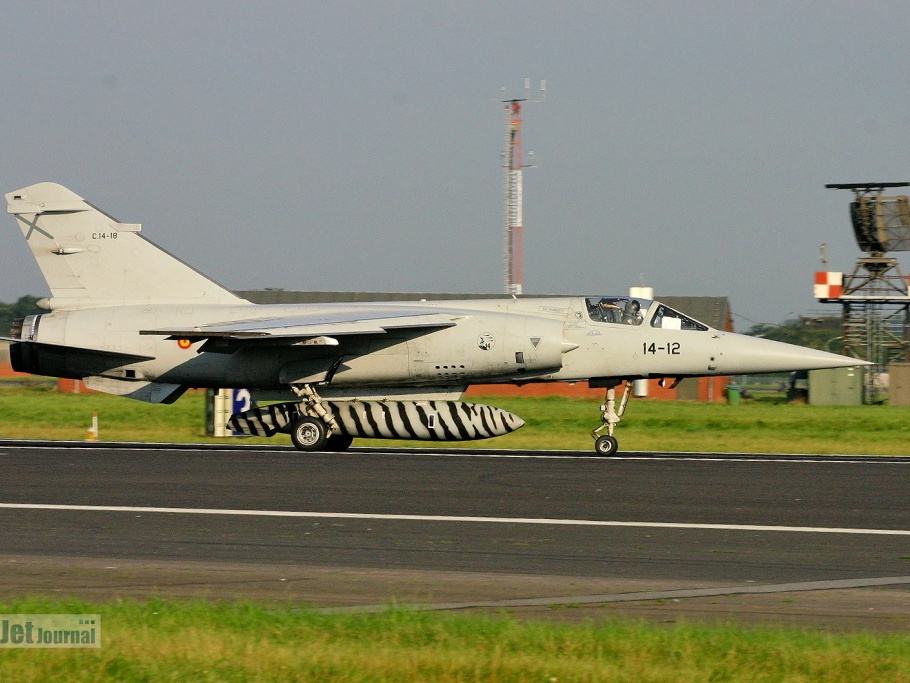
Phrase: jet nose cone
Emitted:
{"points": [[740, 354]]}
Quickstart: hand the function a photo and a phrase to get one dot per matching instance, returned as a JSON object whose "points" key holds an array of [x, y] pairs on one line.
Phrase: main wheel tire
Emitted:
{"points": [[309, 434], [338, 443], [606, 446]]}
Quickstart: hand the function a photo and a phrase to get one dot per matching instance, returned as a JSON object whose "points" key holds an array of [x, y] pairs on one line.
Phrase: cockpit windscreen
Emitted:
{"points": [[668, 319]]}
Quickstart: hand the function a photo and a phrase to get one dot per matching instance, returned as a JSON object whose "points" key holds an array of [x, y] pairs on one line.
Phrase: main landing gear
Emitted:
{"points": [[606, 444], [309, 433], [316, 428]]}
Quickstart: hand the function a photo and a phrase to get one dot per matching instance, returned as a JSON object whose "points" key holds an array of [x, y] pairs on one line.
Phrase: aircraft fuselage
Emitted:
{"points": [[491, 341]]}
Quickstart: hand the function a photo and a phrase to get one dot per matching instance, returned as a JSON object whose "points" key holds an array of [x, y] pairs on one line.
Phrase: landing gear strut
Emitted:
{"points": [[316, 428], [607, 444]]}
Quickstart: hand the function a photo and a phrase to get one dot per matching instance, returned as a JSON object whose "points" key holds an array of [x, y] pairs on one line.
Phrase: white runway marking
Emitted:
{"points": [[448, 518]]}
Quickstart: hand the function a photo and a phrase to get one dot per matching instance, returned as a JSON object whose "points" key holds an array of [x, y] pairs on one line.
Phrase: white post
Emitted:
{"points": [[221, 398], [93, 430]]}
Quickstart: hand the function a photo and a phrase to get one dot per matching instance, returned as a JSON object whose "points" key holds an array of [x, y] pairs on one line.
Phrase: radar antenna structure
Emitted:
{"points": [[874, 296]]}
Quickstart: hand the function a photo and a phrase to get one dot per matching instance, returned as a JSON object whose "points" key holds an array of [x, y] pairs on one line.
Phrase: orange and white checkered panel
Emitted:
{"points": [[828, 285]]}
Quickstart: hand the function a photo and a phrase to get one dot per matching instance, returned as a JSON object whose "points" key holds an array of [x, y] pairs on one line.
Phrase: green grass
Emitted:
{"points": [[196, 641], [45, 413], [552, 423]]}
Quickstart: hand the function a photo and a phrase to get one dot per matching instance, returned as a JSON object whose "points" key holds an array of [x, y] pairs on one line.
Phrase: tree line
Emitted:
{"points": [[821, 332], [25, 305]]}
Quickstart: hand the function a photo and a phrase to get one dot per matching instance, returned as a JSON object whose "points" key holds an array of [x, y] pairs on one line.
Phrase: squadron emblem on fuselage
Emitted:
{"points": [[486, 341]]}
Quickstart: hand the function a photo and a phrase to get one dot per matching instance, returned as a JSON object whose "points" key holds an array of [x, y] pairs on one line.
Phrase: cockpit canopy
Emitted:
{"points": [[628, 310]]}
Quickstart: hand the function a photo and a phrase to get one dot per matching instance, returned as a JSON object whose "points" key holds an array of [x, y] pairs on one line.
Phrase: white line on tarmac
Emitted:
{"points": [[448, 518]]}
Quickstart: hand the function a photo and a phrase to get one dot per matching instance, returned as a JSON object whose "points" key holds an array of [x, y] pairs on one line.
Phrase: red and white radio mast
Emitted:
{"points": [[513, 165]]}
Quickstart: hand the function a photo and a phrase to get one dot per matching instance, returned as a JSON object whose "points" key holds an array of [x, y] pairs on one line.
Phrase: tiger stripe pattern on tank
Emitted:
{"points": [[420, 420]]}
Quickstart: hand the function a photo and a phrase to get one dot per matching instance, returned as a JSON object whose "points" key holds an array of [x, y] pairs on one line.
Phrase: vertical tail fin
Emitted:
{"points": [[90, 259]]}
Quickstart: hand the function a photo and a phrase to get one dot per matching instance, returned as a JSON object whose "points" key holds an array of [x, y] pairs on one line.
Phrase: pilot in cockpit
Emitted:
{"points": [[608, 311], [631, 314]]}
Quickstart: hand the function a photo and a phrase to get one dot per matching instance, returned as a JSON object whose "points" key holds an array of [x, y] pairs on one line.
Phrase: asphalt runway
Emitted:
{"points": [[805, 539]]}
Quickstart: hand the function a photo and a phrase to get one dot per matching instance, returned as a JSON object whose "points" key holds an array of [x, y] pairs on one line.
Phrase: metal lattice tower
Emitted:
{"points": [[513, 193], [874, 297], [512, 241]]}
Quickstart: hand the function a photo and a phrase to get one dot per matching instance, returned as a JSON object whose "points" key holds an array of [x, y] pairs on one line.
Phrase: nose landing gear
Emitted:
{"points": [[606, 444]]}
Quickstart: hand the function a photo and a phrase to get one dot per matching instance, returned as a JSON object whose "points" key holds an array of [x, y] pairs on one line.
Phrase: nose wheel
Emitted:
{"points": [[606, 444]]}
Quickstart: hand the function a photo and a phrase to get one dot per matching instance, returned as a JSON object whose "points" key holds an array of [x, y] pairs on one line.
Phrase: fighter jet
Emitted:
{"points": [[130, 319]]}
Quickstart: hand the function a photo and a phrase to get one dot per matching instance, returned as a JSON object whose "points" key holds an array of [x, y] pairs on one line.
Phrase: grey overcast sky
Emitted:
{"points": [[357, 146]]}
